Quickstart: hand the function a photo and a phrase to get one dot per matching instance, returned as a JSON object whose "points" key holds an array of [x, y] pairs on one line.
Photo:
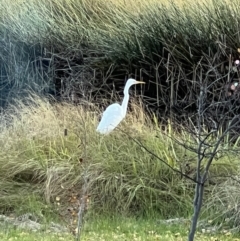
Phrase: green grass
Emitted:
{"points": [[119, 228], [40, 162], [44, 162]]}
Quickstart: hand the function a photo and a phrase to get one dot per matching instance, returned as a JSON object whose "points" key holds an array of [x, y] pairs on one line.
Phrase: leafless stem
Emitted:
{"points": [[83, 196]]}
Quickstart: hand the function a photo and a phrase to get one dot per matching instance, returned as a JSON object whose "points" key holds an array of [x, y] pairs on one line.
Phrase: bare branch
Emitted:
{"points": [[159, 158]]}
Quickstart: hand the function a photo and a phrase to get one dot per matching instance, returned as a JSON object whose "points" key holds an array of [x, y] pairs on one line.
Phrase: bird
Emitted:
{"points": [[115, 113]]}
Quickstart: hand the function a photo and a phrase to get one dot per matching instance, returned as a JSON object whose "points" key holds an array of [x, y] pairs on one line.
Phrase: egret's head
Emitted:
{"points": [[131, 82]]}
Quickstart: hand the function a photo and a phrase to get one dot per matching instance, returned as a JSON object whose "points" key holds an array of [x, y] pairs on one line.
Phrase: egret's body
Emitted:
{"points": [[115, 113]]}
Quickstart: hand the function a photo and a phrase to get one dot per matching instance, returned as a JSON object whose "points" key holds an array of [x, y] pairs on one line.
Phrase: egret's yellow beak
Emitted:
{"points": [[140, 82]]}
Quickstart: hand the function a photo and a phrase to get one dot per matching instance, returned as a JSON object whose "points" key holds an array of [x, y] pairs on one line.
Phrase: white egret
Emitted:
{"points": [[115, 113]]}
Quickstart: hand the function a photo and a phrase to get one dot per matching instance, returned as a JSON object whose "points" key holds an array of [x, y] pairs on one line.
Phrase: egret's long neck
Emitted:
{"points": [[125, 101]]}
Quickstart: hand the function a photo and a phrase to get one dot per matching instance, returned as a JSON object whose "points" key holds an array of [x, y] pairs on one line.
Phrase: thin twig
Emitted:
{"points": [[158, 158]]}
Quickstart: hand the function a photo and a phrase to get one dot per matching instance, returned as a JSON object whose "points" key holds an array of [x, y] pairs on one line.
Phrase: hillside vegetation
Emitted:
{"points": [[80, 53]]}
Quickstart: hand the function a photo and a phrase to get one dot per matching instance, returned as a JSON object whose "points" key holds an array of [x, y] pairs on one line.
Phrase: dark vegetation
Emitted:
{"points": [[173, 48]]}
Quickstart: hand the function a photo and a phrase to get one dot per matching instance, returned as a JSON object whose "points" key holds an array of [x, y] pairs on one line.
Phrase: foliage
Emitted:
{"points": [[38, 158], [100, 42]]}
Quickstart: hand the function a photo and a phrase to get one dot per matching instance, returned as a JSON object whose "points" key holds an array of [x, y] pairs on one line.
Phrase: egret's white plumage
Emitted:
{"points": [[115, 113]]}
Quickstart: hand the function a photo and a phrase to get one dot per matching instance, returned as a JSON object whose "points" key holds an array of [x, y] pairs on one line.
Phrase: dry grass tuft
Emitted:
{"points": [[47, 146], [38, 157], [222, 207]]}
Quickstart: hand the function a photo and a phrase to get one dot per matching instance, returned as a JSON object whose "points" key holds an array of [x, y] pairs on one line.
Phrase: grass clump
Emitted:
{"points": [[127, 179], [222, 205], [43, 161], [47, 148]]}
